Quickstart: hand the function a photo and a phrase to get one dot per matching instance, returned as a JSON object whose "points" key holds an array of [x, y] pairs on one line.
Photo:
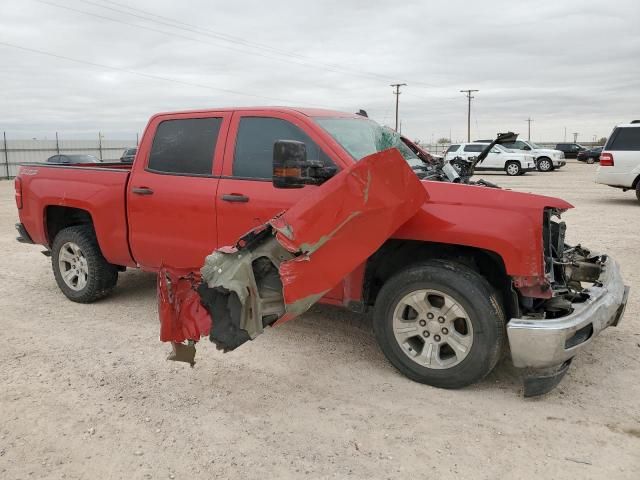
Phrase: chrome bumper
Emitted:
{"points": [[539, 343]]}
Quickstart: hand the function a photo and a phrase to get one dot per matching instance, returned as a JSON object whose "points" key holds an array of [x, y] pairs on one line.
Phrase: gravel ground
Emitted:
{"points": [[87, 393]]}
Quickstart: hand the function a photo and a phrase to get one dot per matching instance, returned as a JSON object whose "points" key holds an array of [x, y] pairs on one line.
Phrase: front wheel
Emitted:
{"points": [[591, 160], [80, 269], [513, 169], [545, 164], [638, 191], [440, 323]]}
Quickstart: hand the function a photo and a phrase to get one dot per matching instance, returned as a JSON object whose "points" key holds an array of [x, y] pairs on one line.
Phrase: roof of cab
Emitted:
{"points": [[309, 112]]}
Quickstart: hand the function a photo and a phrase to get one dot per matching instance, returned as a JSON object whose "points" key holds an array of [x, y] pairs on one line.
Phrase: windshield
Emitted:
{"points": [[535, 145], [363, 137]]}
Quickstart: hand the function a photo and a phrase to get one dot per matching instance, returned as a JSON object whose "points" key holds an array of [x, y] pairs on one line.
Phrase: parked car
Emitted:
{"points": [[620, 159], [475, 270], [73, 159], [547, 159], [590, 156], [570, 150], [500, 158], [128, 155]]}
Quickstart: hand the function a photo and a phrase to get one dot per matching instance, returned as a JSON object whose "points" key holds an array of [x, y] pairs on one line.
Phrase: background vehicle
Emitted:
{"points": [[128, 155], [620, 159], [590, 156], [73, 159], [444, 290], [570, 150], [499, 158], [547, 159]]}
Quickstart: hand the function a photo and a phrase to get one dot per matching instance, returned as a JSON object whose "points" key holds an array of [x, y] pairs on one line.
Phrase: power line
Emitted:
{"points": [[272, 54], [397, 94], [140, 74], [469, 97]]}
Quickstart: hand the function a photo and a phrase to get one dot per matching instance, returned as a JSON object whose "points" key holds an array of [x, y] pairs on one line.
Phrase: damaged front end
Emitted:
{"points": [[585, 295], [280, 269]]}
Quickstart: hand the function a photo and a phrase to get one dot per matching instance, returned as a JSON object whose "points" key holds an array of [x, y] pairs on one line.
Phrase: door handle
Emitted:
{"points": [[142, 191], [235, 197]]}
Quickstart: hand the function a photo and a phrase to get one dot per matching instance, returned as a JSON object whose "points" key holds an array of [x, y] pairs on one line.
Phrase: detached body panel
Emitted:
{"points": [[278, 270]]}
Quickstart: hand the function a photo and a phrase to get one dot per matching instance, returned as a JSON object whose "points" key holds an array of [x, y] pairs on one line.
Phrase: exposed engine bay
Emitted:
{"points": [[570, 270]]}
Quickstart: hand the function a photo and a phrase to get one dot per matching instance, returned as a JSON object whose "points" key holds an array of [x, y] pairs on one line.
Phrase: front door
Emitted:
{"points": [[246, 197]]}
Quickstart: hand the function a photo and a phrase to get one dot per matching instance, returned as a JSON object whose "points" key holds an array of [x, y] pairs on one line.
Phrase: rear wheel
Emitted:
{"points": [[638, 190], [440, 323], [545, 164], [513, 168], [80, 270]]}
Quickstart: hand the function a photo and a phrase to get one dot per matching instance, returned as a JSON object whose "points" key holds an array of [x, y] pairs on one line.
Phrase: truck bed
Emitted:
{"points": [[97, 188]]}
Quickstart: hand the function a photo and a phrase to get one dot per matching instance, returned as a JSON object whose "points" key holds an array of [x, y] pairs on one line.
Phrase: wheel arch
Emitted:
{"points": [[57, 217], [396, 255]]}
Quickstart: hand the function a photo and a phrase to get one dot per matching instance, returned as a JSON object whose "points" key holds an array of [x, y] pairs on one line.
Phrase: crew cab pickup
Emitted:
{"points": [[473, 269]]}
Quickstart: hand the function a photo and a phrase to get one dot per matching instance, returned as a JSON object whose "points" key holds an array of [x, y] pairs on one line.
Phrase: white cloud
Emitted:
{"points": [[566, 64]]}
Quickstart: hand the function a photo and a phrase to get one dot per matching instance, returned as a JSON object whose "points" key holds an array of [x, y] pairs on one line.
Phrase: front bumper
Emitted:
{"points": [[540, 343], [558, 163]]}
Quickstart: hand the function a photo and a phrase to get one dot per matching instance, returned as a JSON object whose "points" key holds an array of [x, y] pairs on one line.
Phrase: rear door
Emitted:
{"points": [[172, 191]]}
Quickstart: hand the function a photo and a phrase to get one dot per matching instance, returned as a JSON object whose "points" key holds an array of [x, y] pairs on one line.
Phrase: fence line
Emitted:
{"points": [[15, 152]]}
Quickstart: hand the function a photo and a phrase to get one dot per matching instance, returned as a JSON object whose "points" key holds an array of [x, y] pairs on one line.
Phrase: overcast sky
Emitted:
{"points": [[573, 64]]}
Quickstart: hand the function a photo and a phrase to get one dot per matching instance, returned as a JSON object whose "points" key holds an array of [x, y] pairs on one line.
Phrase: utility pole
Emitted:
{"points": [[565, 134], [529, 120], [469, 97], [6, 153], [57, 144], [575, 137], [397, 94]]}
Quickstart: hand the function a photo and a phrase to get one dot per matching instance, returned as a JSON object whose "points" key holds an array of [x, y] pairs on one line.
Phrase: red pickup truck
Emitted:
{"points": [[474, 269]]}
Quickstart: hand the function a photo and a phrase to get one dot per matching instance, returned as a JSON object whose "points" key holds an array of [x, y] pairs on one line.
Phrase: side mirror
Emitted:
{"points": [[291, 169], [289, 157], [526, 147]]}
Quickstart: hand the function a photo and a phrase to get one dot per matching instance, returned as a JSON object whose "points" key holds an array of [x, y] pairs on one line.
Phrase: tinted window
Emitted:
{"points": [[185, 146], [625, 139], [517, 145], [253, 157], [474, 148], [452, 148], [54, 159]]}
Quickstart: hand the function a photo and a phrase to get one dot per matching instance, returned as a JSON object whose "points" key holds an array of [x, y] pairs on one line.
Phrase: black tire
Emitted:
{"points": [[591, 160], [513, 168], [638, 190], [544, 164], [473, 293], [101, 276]]}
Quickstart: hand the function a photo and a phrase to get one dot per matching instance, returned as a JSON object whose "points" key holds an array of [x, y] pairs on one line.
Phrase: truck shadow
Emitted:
{"points": [[348, 332]]}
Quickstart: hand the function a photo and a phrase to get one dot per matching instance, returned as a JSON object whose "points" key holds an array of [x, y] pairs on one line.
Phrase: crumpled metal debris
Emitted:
{"points": [[280, 269]]}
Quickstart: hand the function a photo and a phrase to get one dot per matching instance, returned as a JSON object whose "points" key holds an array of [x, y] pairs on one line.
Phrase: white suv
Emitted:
{"points": [[620, 159], [547, 159], [499, 158]]}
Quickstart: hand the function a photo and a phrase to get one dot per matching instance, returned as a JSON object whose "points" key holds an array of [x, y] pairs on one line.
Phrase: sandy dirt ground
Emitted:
{"points": [[85, 391]]}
